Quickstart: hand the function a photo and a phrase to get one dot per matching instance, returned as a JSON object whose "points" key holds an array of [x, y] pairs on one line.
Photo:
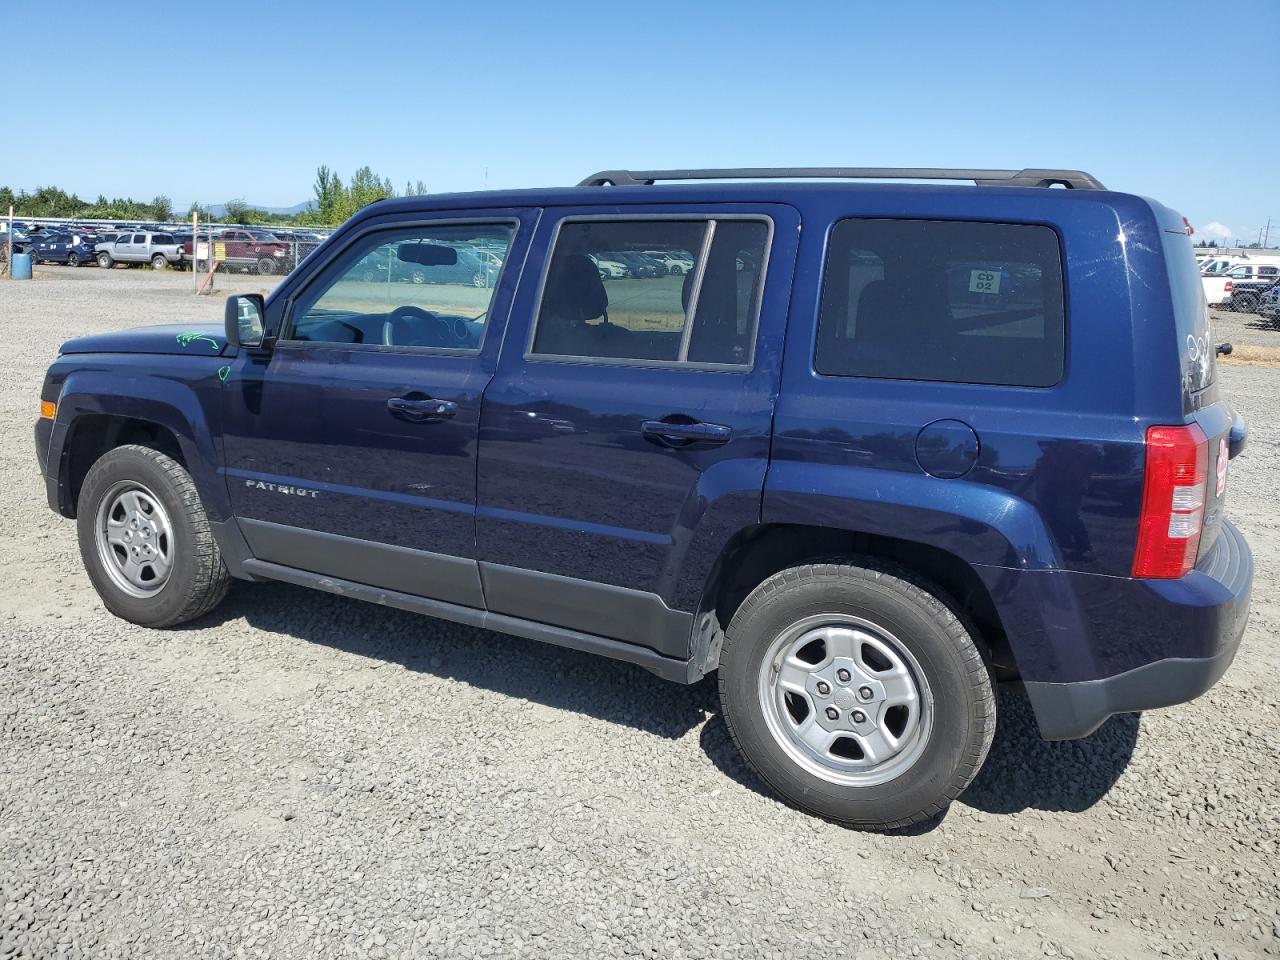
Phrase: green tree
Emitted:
{"points": [[160, 208], [236, 211]]}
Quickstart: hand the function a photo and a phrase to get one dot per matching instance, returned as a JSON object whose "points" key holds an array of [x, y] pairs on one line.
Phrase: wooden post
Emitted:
{"points": [[195, 245]]}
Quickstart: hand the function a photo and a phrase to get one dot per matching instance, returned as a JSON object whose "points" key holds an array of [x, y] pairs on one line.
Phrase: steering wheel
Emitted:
{"points": [[442, 328]]}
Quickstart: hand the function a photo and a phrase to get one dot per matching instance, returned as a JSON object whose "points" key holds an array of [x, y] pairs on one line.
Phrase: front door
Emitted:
{"points": [[350, 448], [625, 435]]}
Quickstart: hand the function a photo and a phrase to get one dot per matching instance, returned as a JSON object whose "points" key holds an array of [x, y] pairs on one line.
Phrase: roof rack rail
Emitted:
{"points": [[1075, 179]]}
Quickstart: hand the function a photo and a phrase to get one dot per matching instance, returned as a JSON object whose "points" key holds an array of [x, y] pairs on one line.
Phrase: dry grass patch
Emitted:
{"points": [[1246, 355]]}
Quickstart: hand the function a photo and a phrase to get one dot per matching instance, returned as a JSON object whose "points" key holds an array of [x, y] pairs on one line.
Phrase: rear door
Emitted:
{"points": [[625, 435]]}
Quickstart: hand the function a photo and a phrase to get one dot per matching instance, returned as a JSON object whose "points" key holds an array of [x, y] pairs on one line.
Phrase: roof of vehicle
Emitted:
{"points": [[810, 190]]}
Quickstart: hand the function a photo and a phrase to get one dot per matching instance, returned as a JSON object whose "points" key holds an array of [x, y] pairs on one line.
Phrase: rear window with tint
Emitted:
{"points": [[162, 238], [943, 300]]}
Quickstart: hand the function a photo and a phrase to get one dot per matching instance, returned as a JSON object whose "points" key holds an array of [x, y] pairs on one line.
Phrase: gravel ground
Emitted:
{"points": [[299, 775]]}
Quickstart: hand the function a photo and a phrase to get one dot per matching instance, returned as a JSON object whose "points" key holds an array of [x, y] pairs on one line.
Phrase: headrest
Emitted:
{"points": [[574, 286]]}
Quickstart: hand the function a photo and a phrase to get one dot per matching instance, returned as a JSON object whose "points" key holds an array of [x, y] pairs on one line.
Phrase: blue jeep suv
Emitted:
{"points": [[885, 446]]}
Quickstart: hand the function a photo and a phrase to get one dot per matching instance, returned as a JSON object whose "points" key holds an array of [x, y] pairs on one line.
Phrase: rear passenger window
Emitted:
{"points": [[667, 291], [942, 300]]}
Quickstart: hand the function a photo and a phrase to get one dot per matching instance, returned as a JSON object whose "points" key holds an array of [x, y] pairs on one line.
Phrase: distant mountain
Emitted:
{"points": [[218, 209]]}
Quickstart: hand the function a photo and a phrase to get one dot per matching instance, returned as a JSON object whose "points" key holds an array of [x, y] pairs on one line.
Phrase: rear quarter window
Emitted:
{"points": [[943, 300]]}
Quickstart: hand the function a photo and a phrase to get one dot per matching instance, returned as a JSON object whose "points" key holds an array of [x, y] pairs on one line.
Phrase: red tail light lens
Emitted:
{"points": [[1173, 500], [1229, 287]]}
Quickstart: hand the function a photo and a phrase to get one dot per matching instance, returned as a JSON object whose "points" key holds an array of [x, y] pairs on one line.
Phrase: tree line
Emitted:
{"points": [[335, 200]]}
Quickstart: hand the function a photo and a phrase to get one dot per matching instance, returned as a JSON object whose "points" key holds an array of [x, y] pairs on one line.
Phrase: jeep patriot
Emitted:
{"points": [[884, 446]]}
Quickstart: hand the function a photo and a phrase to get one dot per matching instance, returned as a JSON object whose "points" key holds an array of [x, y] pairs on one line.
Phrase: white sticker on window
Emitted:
{"points": [[984, 281]]}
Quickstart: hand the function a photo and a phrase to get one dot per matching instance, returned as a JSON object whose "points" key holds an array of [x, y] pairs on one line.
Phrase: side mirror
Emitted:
{"points": [[243, 320]]}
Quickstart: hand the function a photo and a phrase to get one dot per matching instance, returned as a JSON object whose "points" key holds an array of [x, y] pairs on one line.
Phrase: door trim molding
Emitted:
{"points": [[603, 609], [403, 569]]}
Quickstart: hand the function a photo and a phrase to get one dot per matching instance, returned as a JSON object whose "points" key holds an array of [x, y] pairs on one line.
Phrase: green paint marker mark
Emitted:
{"points": [[186, 339], [224, 372]]}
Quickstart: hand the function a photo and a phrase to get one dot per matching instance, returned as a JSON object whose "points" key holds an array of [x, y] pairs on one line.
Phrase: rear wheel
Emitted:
{"points": [[73, 260], [856, 693], [145, 540], [1246, 303], [158, 262]]}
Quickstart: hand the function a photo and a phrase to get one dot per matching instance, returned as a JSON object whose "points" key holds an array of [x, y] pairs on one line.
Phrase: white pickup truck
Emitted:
{"points": [[1253, 272], [158, 249]]}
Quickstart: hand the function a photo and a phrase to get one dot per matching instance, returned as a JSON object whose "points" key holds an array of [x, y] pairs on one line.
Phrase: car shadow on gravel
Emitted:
{"points": [[566, 679], [1021, 772]]}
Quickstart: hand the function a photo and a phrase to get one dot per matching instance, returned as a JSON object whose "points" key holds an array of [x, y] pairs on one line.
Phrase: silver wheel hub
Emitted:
{"points": [[135, 539], [846, 700]]}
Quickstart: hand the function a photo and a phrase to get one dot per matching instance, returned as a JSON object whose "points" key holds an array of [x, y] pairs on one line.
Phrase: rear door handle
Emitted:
{"points": [[682, 434], [424, 410]]}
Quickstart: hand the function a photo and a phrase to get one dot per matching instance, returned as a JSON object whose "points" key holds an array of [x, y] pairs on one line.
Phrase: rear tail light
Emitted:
{"points": [[1229, 287], [1173, 501]]}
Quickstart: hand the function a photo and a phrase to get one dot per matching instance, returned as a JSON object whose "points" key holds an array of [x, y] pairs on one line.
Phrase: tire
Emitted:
{"points": [[73, 260], [1248, 303], [266, 266], [159, 262], [899, 638], [157, 501], [105, 261], [478, 279]]}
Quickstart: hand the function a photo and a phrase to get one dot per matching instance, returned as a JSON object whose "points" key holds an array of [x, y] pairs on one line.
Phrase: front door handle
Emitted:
{"points": [[681, 434], [421, 410]]}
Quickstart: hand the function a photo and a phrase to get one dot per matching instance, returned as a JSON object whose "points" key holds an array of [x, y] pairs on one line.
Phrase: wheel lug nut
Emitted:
{"points": [[859, 717], [833, 713], [823, 687], [866, 693], [843, 675]]}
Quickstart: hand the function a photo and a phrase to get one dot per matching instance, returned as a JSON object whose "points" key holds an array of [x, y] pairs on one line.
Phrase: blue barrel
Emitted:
{"points": [[21, 266]]}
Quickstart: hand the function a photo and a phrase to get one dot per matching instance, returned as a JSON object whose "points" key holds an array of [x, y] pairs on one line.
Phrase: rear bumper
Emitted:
{"points": [[1068, 711], [1098, 645]]}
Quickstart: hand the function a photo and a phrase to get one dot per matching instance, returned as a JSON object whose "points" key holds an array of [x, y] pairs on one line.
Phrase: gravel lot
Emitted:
{"points": [[299, 775]]}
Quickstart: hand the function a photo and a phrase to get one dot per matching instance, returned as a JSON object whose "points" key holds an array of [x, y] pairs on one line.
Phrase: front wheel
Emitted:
{"points": [[266, 266], [856, 693], [145, 540], [104, 261]]}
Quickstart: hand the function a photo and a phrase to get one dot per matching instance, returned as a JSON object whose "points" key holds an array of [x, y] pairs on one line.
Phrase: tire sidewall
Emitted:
{"points": [[123, 464], [922, 628]]}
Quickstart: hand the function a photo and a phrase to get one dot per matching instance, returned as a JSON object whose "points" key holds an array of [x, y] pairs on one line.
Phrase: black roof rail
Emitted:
{"points": [[1075, 179]]}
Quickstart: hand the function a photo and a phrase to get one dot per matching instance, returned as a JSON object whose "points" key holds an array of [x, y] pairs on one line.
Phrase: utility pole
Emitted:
{"points": [[1266, 240]]}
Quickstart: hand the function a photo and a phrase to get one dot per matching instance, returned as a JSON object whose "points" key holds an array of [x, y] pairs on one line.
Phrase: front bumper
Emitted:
{"points": [[1213, 606]]}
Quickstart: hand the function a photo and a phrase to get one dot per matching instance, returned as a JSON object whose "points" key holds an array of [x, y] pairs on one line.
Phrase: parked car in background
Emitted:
{"points": [[254, 250], [1239, 286], [1212, 266], [161, 250], [1269, 304], [609, 269], [21, 243], [72, 249], [674, 262], [638, 266]]}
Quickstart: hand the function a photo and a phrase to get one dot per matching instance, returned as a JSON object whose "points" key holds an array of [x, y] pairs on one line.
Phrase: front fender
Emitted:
{"points": [[181, 401]]}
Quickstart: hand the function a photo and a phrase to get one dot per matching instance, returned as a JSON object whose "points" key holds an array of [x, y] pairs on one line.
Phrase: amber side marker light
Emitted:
{"points": [[48, 409]]}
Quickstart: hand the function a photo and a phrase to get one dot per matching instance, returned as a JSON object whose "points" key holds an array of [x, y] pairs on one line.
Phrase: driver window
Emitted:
{"points": [[414, 287]]}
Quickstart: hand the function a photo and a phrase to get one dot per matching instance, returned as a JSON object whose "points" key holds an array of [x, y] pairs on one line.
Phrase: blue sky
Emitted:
{"points": [[459, 94]]}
